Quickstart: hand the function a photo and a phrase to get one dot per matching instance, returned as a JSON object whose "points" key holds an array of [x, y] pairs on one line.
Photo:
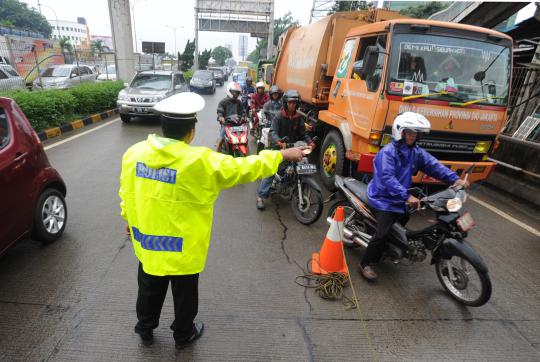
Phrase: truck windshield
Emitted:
{"points": [[445, 68]]}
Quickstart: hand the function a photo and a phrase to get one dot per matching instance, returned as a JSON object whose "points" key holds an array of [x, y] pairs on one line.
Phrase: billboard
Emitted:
{"points": [[152, 47]]}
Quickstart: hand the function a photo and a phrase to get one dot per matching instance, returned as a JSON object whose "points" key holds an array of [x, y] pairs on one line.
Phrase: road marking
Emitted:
{"points": [[80, 134], [506, 216]]}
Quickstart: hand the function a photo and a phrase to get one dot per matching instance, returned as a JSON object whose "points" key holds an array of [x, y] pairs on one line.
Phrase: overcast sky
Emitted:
{"points": [[154, 19], [153, 16]]}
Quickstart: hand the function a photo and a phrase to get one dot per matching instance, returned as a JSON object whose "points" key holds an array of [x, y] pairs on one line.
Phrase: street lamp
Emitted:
{"points": [[132, 5], [174, 29], [56, 17]]}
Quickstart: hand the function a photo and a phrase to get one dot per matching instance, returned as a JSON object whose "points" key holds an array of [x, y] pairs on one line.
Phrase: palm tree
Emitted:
{"points": [[97, 46], [65, 45]]}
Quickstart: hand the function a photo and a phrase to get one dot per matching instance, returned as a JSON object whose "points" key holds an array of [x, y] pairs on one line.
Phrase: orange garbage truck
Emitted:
{"points": [[356, 71]]}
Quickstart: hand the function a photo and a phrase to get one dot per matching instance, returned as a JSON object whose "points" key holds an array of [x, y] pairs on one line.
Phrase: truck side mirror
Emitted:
{"points": [[370, 62]]}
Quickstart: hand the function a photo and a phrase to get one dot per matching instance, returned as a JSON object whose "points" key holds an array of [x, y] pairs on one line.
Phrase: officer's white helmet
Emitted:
{"points": [[409, 121], [233, 87], [259, 85]]}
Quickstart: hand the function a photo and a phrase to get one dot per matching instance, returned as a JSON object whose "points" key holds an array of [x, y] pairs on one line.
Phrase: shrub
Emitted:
{"points": [[49, 108], [188, 74]]}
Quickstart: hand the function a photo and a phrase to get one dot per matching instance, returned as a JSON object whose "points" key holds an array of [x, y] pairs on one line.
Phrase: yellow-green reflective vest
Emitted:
{"points": [[168, 190]]}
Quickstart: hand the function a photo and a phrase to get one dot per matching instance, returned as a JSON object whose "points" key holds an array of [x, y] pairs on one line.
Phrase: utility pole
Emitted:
{"points": [[119, 12], [270, 46], [196, 55]]}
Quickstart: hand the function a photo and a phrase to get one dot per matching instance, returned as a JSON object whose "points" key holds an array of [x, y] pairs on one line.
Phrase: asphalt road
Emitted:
{"points": [[75, 299]]}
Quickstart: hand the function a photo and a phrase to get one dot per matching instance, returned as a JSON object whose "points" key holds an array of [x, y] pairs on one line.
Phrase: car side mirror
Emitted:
{"points": [[72, 75], [178, 87], [370, 62], [126, 85]]}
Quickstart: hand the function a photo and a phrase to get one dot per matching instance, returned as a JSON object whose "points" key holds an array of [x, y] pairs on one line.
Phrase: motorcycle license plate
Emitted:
{"points": [[237, 129], [306, 169], [466, 222]]}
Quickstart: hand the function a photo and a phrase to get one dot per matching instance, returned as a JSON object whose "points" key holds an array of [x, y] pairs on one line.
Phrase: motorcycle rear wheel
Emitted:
{"points": [[466, 276], [314, 204]]}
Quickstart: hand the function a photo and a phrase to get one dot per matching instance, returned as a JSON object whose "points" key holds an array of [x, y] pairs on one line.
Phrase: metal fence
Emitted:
{"points": [[524, 98]]}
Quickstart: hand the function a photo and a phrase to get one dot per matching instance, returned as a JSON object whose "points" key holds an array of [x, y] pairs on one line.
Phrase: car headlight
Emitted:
{"points": [[157, 98], [123, 97], [454, 205]]}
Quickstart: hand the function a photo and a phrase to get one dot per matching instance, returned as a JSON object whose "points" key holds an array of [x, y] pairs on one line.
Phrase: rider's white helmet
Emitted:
{"points": [[409, 121], [259, 85], [233, 87]]}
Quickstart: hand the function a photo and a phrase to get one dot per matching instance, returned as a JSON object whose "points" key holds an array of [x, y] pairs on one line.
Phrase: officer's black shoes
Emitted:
{"points": [[260, 203], [147, 338], [198, 329]]}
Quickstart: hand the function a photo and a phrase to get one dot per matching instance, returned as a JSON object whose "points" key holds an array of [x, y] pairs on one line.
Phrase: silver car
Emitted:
{"points": [[64, 76], [146, 89], [9, 78]]}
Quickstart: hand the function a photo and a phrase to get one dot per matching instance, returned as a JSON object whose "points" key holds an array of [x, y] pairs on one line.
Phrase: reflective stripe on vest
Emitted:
{"points": [[156, 242]]}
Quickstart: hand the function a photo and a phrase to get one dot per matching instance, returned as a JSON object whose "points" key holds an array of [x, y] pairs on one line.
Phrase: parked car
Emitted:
{"points": [[64, 76], [33, 192], [203, 81], [9, 78], [109, 73], [146, 89], [219, 76]]}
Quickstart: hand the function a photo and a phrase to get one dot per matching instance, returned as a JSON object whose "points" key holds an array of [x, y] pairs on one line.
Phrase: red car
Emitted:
{"points": [[31, 191]]}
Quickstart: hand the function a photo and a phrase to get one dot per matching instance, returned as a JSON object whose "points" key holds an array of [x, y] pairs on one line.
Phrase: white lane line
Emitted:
{"points": [[506, 216], [80, 134]]}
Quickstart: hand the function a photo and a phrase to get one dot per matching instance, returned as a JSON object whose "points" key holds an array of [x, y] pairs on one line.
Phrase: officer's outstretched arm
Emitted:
{"points": [[229, 171]]}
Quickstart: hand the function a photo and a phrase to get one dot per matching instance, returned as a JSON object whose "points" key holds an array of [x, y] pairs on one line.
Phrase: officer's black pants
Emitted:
{"points": [[152, 291], [378, 243]]}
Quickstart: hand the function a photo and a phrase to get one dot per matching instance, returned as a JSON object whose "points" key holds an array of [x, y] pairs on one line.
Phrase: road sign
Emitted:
{"points": [[152, 47]]}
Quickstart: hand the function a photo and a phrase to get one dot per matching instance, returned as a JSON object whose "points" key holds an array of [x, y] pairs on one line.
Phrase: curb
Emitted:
{"points": [[73, 125]]}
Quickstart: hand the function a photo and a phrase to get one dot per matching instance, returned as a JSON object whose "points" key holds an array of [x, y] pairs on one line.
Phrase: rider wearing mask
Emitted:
{"points": [[289, 124], [228, 106], [393, 168], [272, 108]]}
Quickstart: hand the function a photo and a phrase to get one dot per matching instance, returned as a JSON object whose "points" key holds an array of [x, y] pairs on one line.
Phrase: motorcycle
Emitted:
{"points": [[294, 181], [236, 137], [263, 132], [459, 268]]}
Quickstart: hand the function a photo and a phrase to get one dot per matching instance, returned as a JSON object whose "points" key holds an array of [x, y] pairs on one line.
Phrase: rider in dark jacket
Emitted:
{"points": [[287, 124], [273, 107], [228, 106]]}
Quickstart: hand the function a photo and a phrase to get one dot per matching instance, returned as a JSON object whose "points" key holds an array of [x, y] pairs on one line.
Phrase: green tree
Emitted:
{"points": [[281, 25], [340, 6], [19, 15], [220, 54], [424, 11], [97, 46], [187, 57], [204, 57]]}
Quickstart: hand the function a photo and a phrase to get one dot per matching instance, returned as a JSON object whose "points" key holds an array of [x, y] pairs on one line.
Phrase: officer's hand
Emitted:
{"points": [[128, 230], [292, 154], [221, 120], [413, 202], [463, 183]]}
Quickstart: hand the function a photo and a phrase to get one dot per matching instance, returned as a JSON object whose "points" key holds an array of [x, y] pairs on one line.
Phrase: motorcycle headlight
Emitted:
{"points": [[454, 205]]}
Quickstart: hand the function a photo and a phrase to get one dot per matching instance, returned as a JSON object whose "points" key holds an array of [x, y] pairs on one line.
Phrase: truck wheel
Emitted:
{"points": [[332, 159]]}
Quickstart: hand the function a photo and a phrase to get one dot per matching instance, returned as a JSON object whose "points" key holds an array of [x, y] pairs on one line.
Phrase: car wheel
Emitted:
{"points": [[50, 216], [125, 118]]}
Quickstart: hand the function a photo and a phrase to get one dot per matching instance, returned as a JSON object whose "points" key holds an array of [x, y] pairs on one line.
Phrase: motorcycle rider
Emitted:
{"points": [[229, 106], [394, 166], [247, 91], [258, 99], [288, 124], [273, 106]]}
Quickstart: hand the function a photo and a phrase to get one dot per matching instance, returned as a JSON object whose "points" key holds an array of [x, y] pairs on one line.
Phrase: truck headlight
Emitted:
{"points": [[454, 205], [482, 147]]}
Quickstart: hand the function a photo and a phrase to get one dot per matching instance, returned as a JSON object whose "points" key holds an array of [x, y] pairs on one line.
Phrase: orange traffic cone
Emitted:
{"points": [[331, 258]]}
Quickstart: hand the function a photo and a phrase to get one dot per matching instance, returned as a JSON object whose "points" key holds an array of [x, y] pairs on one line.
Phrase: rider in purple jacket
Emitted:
{"points": [[394, 167]]}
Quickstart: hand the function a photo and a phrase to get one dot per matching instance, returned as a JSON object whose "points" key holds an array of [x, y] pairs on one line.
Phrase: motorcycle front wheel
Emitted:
{"points": [[312, 205], [464, 281]]}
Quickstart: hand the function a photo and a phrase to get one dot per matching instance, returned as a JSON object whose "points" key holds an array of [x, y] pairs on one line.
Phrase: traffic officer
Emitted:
{"points": [[168, 189]]}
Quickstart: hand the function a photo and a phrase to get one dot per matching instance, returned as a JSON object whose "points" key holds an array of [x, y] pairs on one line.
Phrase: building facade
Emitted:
{"points": [[77, 32]]}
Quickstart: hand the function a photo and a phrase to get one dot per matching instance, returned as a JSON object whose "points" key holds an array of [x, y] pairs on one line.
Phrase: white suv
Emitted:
{"points": [[64, 76]]}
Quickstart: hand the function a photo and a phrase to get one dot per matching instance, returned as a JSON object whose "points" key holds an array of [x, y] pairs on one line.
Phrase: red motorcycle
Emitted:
{"points": [[236, 137]]}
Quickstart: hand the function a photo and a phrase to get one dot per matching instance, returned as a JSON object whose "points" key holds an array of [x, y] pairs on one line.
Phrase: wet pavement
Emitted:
{"points": [[75, 299]]}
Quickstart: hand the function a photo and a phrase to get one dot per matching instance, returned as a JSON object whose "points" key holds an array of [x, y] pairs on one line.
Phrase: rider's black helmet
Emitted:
{"points": [[291, 95], [249, 80]]}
